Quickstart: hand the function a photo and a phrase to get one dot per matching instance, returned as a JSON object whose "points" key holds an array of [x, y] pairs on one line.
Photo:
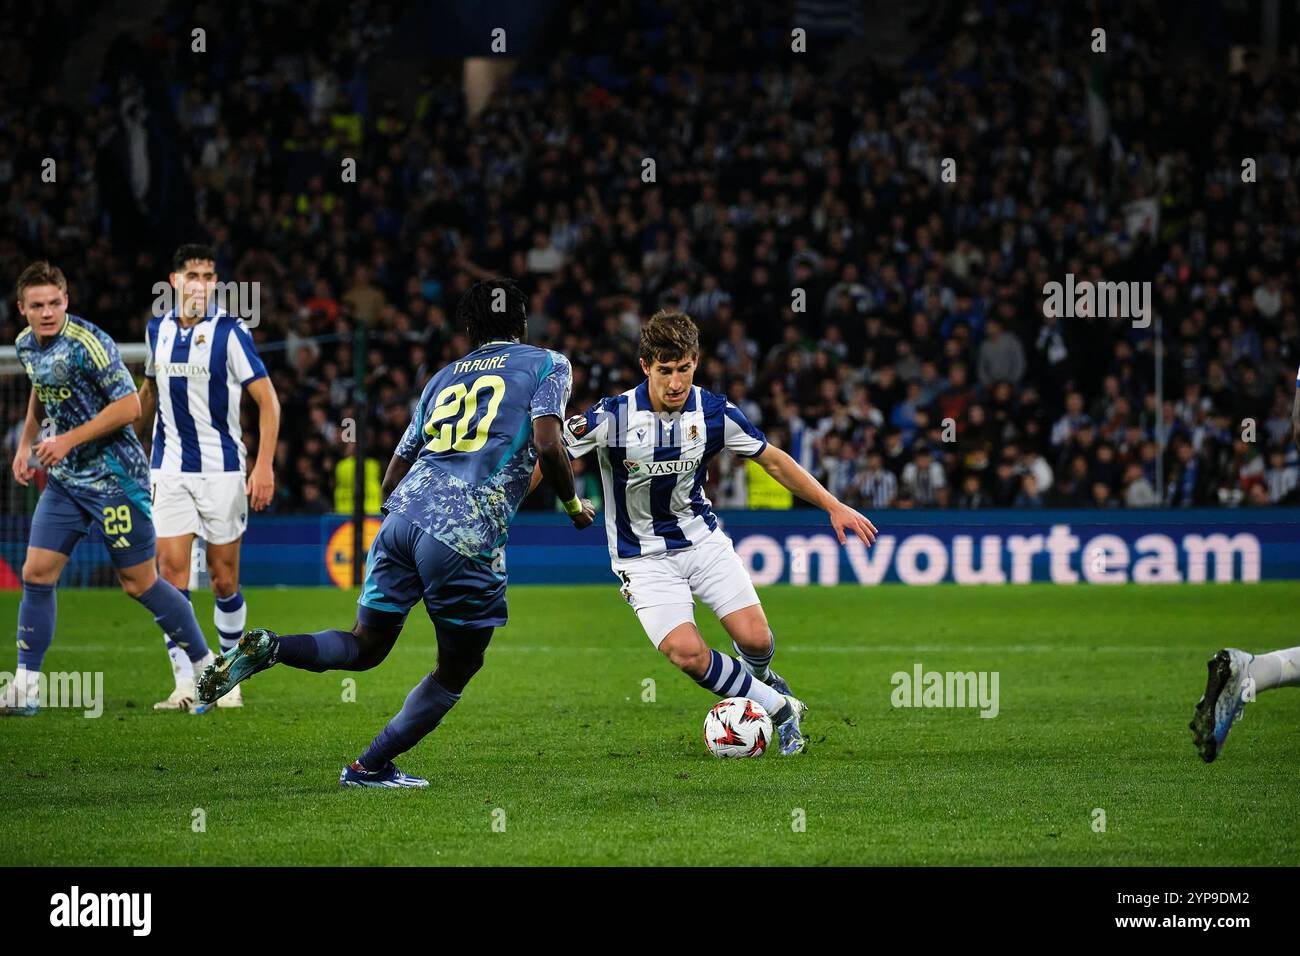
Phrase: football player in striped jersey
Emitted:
{"points": [[654, 443], [201, 361], [79, 417]]}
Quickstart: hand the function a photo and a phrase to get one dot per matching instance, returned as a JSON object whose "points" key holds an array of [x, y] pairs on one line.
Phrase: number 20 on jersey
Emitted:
{"points": [[453, 410]]}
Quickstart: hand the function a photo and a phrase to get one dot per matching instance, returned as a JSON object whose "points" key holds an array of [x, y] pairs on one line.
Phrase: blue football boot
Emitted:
{"points": [[777, 683], [254, 652], [18, 702], [791, 738], [389, 778]]}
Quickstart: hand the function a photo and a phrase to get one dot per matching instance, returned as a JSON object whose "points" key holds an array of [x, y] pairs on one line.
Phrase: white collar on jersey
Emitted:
{"points": [[186, 329]]}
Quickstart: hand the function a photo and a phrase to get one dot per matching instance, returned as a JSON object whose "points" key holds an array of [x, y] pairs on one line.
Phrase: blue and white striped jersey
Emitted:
{"points": [[653, 465], [200, 372]]}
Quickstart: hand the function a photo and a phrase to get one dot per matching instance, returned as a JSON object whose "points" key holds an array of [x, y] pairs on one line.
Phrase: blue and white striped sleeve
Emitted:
{"points": [[242, 355], [739, 434], [589, 430]]}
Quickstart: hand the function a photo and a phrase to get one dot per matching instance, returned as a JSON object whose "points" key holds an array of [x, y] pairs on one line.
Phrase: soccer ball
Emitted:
{"points": [[737, 727]]}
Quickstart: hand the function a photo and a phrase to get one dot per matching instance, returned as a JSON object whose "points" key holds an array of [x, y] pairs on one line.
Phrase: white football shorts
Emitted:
{"points": [[662, 588], [214, 507]]}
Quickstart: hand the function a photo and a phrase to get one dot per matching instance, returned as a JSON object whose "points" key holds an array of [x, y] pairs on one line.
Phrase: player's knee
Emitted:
{"points": [[39, 572], [176, 573], [369, 656], [372, 647], [691, 656], [466, 663], [455, 670], [756, 638], [224, 583], [177, 579], [136, 584]]}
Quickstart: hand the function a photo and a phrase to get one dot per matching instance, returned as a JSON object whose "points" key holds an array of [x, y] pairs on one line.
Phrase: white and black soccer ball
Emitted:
{"points": [[737, 727]]}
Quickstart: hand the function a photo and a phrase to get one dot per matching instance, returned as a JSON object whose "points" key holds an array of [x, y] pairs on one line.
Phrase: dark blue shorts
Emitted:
{"points": [[65, 515], [406, 564]]}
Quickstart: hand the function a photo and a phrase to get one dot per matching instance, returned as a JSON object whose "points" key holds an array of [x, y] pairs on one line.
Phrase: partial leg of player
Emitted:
{"points": [[1235, 678], [755, 646], [36, 617], [663, 593], [460, 655], [174, 567], [173, 613], [36, 614], [230, 613], [721, 673]]}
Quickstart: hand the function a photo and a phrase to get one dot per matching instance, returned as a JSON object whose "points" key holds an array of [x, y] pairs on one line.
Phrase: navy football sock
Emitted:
{"points": [[36, 613], [181, 669], [756, 664], [175, 616], [322, 651], [424, 709], [726, 678], [230, 615]]}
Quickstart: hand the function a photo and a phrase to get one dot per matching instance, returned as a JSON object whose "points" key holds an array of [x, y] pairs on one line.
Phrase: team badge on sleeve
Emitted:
{"points": [[577, 425]]}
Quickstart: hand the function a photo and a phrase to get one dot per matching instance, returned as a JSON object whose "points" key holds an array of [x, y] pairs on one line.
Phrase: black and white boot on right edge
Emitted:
{"points": [[1227, 689]]}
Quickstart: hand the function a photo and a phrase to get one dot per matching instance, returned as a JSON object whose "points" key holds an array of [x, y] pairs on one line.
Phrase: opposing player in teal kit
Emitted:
{"points": [[451, 491], [82, 403]]}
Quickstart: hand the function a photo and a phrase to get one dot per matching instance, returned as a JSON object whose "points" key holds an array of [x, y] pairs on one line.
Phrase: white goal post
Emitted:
{"points": [[133, 353]]}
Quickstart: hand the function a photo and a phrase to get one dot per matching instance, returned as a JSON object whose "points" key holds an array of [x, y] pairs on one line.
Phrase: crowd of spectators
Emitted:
{"points": [[877, 311]]}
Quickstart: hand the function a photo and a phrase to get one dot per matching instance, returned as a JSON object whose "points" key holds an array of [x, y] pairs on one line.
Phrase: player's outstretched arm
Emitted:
{"points": [[795, 478], [553, 458], [261, 480], [112, 418], [31, 427], [148, 408]]}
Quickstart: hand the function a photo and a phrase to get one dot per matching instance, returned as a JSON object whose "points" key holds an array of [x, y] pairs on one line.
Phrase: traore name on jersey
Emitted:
{"points": [[76, 375], [653, 465], [471, 445]]}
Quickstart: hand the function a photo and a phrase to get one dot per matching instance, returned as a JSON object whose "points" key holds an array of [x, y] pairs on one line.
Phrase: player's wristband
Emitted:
{"points": [[573, 507]]}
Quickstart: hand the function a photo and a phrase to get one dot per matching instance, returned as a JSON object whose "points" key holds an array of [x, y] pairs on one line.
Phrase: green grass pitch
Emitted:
{"points": [[554, 740]]}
